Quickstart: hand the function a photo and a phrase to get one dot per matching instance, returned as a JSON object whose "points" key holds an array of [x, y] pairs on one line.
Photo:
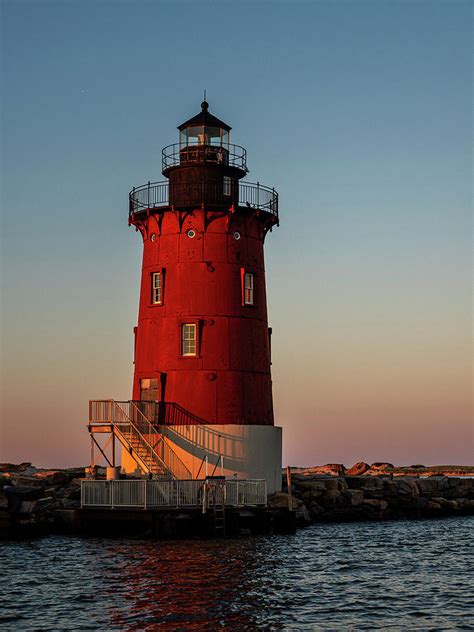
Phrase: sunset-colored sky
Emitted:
{"points": [[359, 113]]}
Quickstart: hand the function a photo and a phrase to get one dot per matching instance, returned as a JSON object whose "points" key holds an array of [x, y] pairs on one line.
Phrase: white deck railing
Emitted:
{"points": [[147, 494]]}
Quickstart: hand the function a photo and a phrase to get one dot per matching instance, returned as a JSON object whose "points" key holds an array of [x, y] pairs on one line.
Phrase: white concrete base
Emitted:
{"points": [[247, 451]]}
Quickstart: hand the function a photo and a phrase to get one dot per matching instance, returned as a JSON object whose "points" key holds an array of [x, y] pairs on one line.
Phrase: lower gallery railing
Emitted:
{"points": [[146, 494]]}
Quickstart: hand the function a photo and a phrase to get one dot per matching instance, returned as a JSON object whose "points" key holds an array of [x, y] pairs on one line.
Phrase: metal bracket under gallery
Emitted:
{"points": [[155, 494]]}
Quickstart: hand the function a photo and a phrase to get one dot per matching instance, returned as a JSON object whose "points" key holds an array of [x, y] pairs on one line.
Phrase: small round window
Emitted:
{"points": [[191, 233], [153, 237], [237, 235]]}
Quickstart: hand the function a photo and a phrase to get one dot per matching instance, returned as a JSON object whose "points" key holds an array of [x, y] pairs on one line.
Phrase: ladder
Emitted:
{"points": [[219, 520], [217, 485]]}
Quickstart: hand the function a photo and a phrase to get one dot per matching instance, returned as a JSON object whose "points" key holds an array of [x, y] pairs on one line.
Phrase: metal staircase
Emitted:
{"points": [[127, 422], [140, 450]]}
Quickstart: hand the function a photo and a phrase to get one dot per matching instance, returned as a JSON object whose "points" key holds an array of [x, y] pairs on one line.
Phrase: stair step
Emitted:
{"points": [[139, 445]]}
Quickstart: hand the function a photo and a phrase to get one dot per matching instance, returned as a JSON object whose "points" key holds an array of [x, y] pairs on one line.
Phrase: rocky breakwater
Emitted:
{"points": [[39, 501], [35, 501], [343, 498]]}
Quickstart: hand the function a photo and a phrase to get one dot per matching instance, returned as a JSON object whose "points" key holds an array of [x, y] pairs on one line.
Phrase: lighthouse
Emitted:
{"points": [[202, 387]]}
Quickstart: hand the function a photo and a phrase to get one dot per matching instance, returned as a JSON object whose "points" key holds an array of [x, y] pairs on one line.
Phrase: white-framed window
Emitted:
{"points": [[156, 288], [248, 288], [227, 185], [188, 339]]}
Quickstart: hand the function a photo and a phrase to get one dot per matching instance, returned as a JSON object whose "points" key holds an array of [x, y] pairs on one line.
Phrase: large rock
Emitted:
{"points": [[72, 493], [75, 472], [450, 505], [400, 487], [358, 469], [354, 497], [459, 487], [27, 506], [5, 524], [280, 500], [316, 511], [382, 466], [421, 504], [331, 485], [435, 486], [302, 515], [331, 469], [53, 477], [313, 488], [373, 487], [378, 506], [466, 504], [3, 500], [332, 493], [45, 504], [20, 480], [379, 468], [16, 495], [342, 484], [17, 468]]}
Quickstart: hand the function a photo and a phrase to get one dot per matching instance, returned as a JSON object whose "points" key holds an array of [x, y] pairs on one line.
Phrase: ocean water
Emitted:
{"points": [[410, 575]]}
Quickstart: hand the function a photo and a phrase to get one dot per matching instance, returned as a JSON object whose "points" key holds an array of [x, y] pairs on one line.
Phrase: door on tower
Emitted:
{"points": [[149, 397], [149, 389], [152, 398]]}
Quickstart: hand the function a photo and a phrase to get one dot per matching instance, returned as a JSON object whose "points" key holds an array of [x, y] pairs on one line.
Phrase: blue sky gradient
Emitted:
{"points": [[359, 113]]}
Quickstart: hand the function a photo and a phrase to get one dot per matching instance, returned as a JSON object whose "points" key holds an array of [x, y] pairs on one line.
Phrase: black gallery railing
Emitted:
{"points": [[157, 194], [226, 154]]}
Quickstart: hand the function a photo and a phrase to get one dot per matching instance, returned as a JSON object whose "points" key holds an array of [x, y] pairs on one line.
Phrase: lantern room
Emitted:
{"points": [[204, 129], [204, 141]]}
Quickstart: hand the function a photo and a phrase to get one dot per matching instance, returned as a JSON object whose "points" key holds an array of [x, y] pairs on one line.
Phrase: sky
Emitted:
{"points": [[358, 113]]}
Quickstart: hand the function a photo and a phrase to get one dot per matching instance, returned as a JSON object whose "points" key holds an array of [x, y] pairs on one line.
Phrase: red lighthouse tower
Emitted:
{"points": [[202, 343]]}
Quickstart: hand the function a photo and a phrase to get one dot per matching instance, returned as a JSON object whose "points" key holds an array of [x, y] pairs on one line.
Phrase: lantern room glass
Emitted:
{"points": [[203, 135]]}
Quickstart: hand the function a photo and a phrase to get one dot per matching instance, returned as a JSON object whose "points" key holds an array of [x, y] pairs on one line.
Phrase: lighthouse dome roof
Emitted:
{"points": [[204, 118]]}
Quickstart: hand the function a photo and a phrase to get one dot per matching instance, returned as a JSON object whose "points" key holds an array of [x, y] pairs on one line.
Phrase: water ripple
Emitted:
{"points": [[376, 576]]}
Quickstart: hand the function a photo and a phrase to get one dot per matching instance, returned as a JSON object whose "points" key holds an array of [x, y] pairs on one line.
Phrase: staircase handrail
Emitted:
{"points": [[183, 417], [165, 446], [140, 435]]}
